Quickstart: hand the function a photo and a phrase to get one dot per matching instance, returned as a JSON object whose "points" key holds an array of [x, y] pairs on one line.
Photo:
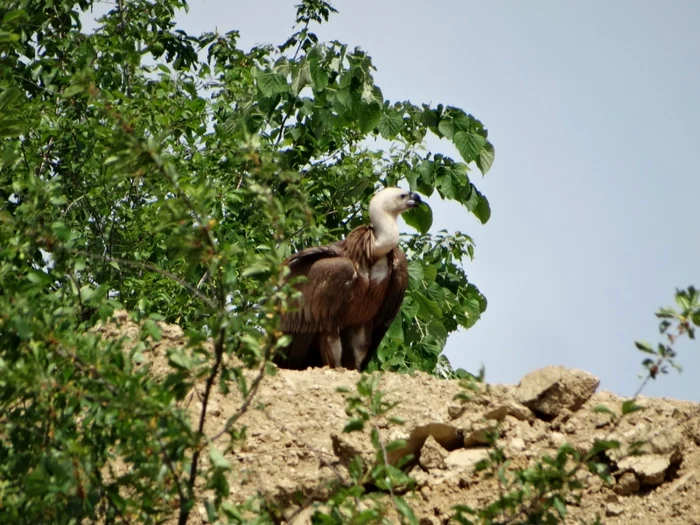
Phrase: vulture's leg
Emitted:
{"points": [[331, 349], [360, 338]]}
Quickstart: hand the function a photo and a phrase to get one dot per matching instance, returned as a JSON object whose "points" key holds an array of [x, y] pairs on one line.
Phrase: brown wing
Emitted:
{"points": [[398, 281], [323, 293]]}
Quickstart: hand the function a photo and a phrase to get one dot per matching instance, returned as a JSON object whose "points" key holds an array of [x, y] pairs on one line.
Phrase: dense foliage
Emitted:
{"points": [[139, 145], [170, 174]]}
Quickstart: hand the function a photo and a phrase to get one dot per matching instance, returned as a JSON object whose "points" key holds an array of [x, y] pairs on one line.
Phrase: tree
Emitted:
{"points": [[170, 174]]}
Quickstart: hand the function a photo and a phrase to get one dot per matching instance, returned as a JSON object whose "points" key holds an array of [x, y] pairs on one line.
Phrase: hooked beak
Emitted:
{"points": [[414, 201]]}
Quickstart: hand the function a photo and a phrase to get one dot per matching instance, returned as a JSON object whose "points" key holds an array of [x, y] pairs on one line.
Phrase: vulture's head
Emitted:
{"points": [[393, 201]]}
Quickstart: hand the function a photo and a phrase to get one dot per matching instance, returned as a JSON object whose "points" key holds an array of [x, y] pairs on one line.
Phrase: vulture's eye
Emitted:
{"points": [[404, 195]]}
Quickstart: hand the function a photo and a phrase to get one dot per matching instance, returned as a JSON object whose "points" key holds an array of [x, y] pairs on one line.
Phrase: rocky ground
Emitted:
{"points": [[295, 445]]}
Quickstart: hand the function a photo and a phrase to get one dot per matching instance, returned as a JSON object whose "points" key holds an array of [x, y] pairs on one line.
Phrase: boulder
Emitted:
{"points": [[432, 455], [649, 469], [465, 459], [553, 389]]}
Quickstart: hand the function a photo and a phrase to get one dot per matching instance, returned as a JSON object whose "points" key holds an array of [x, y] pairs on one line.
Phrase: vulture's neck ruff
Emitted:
{"points": [[383, 215], [385, 230]]}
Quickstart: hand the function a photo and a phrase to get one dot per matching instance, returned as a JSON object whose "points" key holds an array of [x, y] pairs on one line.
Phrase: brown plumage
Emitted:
{"points": [[352, 292]]}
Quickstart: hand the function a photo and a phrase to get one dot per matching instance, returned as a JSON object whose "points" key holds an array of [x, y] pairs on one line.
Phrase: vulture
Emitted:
{"points": [[351, 293]]}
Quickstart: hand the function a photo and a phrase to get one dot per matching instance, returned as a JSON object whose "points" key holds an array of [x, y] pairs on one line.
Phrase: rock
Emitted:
{"points": [[613, 509], [448, 436], [454, 411], [668, 442], [693, 430], [516, 446], [213, 408], [562, 417], [345, 450], [650, 469], [557, 439], [627, 484], [463, 459], [511, 408], [171, 332], [553, 389], [432, 455], [477, 436]]}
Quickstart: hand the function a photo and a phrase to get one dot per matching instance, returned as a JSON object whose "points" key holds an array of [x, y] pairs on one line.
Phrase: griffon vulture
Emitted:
{"points": [[352, 292]]}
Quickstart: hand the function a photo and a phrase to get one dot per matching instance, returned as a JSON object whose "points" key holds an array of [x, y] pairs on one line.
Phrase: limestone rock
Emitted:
{"points": [[454, 411], [613, 509], [650, 469], [668, 442], [432, 455], [510, 408], [477, 436], [465, 459], [627, 484], [553, 389], [346, 449], [447, 436], [515, 446]]}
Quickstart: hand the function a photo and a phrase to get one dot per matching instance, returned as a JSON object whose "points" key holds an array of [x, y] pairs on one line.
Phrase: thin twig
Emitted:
{"points": [[152, 267], [218, 355], [40, 168], [171, 468], [249, 398], [203, 279]]}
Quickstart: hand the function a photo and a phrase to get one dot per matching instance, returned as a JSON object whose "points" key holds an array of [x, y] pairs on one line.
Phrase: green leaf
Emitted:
{"points": [[695, 317], [486, 157], [14, 14], [395, 331], [179, 359], [257, 268], [72, 90], [217, 459], [61, 231], [644, 347], [354, 425], [602, 409], [301, 77], [560, 506], [427, 307], [446, 127], [38, 277], [151, 329], [10, 127], [600, 445], [86, 293], [405, 510], [9, 98], [24, 331], [390, 125], [415, 273], [429, 274], [6, 36], [482, 211], [318, 75], [271, 83], [629, 406], [369, 116], [420, 218], [469, 145]]}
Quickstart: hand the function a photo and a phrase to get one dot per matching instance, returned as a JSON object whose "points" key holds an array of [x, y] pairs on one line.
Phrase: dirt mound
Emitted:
{"points": [[295, 448]]}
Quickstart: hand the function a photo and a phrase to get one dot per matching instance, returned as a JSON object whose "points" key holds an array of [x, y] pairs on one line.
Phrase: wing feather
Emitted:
{"points": [[324, 292]]}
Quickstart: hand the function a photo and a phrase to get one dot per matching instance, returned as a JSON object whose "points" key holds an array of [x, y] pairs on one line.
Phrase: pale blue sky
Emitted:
{"points": [[593, 109]]}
